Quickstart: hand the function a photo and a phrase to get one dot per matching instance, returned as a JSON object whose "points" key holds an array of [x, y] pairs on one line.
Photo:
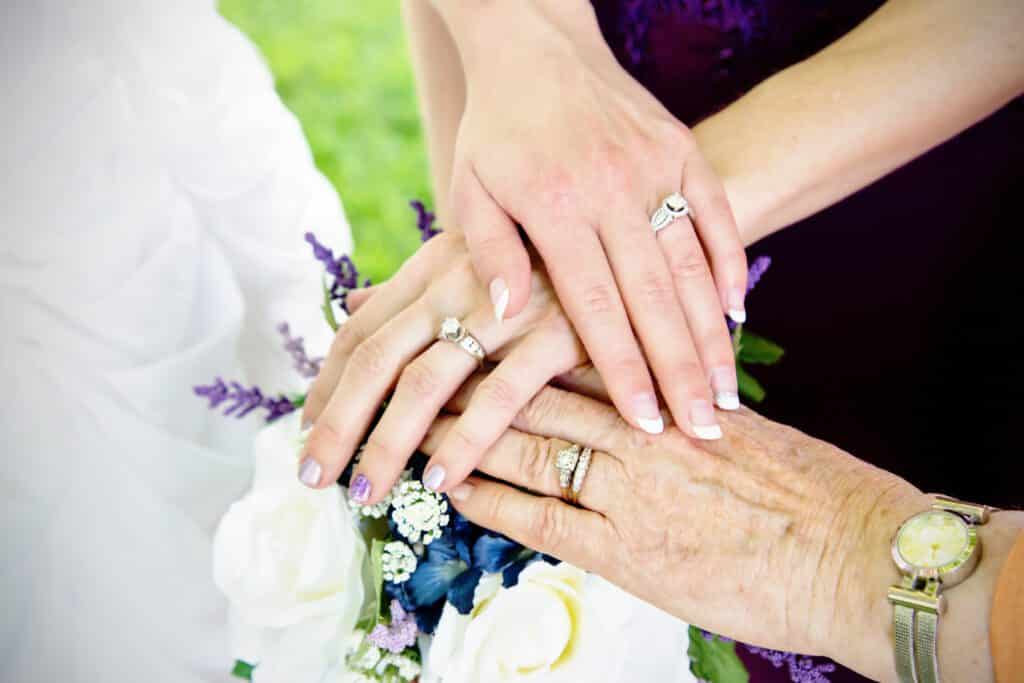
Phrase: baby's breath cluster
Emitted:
{"points": [[398, 562], [419, 513]]}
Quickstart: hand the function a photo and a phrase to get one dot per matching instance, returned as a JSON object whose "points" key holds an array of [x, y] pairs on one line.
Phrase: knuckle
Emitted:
{"points": [[616, 166], [549, 524], [657, 290], [349, 336], [540, 410], [554, 190], [690, 372], [418, 380], [463, 440], [535, 460], [598, 299], [370, 358], [688, 265], [500, 394]]}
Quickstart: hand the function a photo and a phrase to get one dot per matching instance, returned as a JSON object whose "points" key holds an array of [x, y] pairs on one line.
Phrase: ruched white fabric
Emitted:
{"points": [[155, 193], [154, 201]]}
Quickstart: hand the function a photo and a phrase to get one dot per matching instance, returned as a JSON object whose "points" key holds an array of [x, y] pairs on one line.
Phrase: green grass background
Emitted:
{"points": [[343, 68]]}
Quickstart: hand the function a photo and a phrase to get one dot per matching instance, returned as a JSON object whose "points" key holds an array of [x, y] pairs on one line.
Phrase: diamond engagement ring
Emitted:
{"points": [[672, 208], [453, 331], [572, 463]]}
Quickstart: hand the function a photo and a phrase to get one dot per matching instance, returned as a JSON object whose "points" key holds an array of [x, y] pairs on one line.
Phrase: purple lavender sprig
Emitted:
{"points": [[424, 220], [342, 269], [241, 400], [757, 270], [296, 348]]}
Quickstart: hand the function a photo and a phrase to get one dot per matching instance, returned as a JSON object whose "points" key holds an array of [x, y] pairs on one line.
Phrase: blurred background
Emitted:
{"points": [[356, 100]]}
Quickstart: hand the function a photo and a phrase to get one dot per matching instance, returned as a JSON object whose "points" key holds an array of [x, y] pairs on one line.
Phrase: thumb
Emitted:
{"points": [[495, 247]]}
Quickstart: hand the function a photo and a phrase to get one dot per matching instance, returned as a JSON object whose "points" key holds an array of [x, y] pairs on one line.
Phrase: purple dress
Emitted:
{"points": [[898, 306]]}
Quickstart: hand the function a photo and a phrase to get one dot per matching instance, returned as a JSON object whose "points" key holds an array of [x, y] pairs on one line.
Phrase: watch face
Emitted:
{"points": [[934, 540]]}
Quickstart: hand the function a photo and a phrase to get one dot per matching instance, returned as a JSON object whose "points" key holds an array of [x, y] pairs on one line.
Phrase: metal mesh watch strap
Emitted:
{"points": [[916, 634], [903, 630], [926, 646]]}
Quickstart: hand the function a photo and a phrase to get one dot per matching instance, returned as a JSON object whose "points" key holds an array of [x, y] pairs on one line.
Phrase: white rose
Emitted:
{"points": [[557, 624], [290, 560]]}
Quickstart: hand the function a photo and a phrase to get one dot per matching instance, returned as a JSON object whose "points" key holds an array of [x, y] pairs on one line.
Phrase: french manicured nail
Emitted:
{"points": [[462, 491], [359, 489], [647, 415], [434, 477], [499, 297], [310, 471], [723, 383], [737, 307], [307, 424], [702, 419]]}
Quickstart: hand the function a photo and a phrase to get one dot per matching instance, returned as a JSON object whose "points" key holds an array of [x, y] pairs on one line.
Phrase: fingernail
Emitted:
{"points": [[462, 491], [499, 297], [359, 489], [647, 415], [702, 419], [307, 424], [434, 477], [737, 308], [310, 471], [723, 383]]}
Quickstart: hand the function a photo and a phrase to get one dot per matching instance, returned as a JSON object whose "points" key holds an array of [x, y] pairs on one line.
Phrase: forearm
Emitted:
{"points": [[441, 87], [911, 76]]}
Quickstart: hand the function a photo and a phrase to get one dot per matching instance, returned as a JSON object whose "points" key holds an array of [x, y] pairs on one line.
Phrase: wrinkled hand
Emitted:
{"points": [[389, 343], [557, 138], [768, 536]]}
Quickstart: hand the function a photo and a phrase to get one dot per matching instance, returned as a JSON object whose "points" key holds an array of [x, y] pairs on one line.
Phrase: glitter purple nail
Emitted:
{"points": [[359, 489]]}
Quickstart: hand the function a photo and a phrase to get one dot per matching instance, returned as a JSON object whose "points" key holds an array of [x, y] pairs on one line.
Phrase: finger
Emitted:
{"points": [[528, 461], [549, 525], [562, 414], [584, 380], [499, 256], [695, 288], [374, 369], [658, 318], [497, 400], [396, 295], [358, 297], [424, 386], [583, 280], [718, 233]]}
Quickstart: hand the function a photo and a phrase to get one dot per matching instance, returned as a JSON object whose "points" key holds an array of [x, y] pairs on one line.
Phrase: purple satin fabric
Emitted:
{"points": [[897, 307]]}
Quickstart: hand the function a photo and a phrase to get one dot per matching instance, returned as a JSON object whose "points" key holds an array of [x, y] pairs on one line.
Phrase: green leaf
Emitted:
{"points": [[298, 400], [371, 611], [749, 387], [326, 306], [243, 670], [715, 660], [758, 350]]}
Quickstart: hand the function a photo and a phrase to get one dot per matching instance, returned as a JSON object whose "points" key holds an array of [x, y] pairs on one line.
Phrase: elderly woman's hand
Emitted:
{"points": [[559, 139], [768, 536]]}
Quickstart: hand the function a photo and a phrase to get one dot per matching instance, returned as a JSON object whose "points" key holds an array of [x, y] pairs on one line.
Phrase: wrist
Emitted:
{"points": [[863, 635], [480, 28]]}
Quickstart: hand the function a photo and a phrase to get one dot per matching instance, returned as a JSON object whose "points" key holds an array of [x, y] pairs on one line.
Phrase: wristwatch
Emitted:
{"points": [[934, 550]]}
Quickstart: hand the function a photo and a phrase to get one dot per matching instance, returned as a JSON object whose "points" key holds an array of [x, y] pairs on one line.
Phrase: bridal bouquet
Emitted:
{"points": [[323, 589]]}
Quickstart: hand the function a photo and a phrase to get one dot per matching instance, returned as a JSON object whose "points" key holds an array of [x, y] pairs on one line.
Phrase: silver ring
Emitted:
{"points": [[582, 467], [453, 331], [673, 207]]}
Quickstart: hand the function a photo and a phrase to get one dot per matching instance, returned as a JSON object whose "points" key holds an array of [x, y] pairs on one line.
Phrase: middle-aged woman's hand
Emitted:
{"points": [[557, 138], [768, 535]]}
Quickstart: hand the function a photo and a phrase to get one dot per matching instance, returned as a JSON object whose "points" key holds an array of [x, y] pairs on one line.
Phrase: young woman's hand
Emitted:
{"points": [[557, 138], [390, 343]]}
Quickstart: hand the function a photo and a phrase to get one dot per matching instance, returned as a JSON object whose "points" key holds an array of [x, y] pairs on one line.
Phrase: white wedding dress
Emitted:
{"points": [[154, 199]]}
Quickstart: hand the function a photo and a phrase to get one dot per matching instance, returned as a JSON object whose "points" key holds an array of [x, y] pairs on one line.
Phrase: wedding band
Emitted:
{"points": [[672, 207], [453, 331], [582, 467]]}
